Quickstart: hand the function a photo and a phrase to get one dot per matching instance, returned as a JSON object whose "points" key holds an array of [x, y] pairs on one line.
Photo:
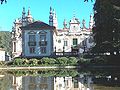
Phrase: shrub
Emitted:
{"points": [[72, 61], [52, 61], [33, 62], [84, 61], [2, 63], [62, 60], [45, 61], [18, 61]]}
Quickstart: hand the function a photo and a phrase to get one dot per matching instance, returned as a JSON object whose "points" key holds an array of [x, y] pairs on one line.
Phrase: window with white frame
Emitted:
{"points": [[65, 43]]}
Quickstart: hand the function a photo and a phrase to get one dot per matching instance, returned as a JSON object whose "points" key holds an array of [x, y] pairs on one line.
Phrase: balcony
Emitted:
{"points": [[43, 43], [58, 54], [31, 43]]}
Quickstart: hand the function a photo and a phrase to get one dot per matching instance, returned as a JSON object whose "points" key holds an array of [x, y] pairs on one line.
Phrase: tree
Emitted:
{"points": [[107, 21], [88, 0], [5, 41], [3, 1]]}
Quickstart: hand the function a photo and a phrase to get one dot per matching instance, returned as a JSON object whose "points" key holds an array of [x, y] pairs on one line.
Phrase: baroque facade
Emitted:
{"points": [[17, 32], [75, 37]]}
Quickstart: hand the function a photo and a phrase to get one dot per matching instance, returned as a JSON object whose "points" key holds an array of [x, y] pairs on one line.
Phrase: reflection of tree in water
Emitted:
{"points": [[5, 82], [90, 80]]}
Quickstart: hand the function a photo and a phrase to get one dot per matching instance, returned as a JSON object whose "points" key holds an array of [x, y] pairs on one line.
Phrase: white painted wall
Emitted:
{"points": [[81, 36], [2, 55]]}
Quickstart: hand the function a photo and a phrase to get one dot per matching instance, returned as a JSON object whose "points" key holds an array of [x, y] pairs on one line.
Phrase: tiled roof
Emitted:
{"points": [[37, 25]]}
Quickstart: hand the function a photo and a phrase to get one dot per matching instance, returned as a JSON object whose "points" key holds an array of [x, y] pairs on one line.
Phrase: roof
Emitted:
{"points": [[37, 25]]}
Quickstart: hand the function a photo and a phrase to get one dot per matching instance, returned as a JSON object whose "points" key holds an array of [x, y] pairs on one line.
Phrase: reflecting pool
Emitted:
{"points": [[60, 79]]}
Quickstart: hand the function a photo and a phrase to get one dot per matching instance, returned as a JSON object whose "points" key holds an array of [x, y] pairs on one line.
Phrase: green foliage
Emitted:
{"points": [[88, 0], [107, 26], [84, 61], [6, 41], [18, 62], [45, 72], [45, 60], [72, 61], [61, 61], [2, 63], [3, 1]]}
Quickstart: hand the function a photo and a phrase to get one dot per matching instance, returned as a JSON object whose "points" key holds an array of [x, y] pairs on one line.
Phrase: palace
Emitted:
{"points": [[32, 38], [75, 37]]}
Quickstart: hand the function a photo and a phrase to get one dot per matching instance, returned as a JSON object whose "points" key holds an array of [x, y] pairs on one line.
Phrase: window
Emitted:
{"points": [[75, 41], [31, 38], [42, 37], [75, 83], [67, 83], [43, 50], [14, 46], [59, 41], [43, 41], [32, 50], [43, 86], [32, 43], [65, 43], [43, 80]]}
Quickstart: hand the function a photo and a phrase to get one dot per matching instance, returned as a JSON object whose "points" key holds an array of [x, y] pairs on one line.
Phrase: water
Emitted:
{"points": [[60, 79]]}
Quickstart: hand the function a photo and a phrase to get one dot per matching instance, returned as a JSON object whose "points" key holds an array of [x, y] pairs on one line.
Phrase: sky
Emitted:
{"points": [[65, 9]]}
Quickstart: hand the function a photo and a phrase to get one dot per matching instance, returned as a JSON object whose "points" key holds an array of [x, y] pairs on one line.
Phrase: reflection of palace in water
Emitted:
{"points": [[51, 83], [69, 83], [33, 83], [81, 82]]}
